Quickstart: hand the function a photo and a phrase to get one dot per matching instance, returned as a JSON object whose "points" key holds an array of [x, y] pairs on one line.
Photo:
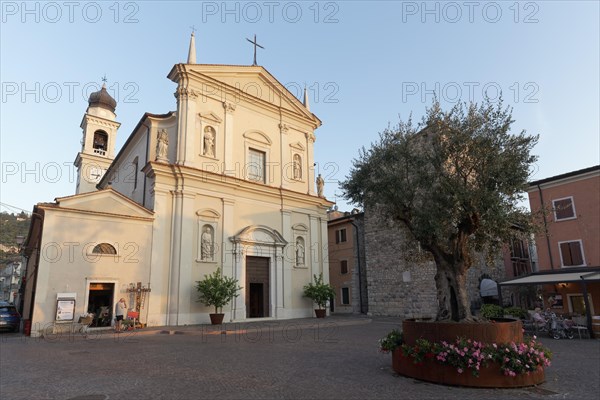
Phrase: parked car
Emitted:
{"points": [[9, 317]]}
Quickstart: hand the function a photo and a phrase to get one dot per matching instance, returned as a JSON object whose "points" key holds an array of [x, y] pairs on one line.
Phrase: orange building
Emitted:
{"points": [[568, 254], [347, 272]]}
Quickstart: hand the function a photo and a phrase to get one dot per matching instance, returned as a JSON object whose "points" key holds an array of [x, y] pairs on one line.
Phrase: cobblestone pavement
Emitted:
{"points": [[335, 358]]}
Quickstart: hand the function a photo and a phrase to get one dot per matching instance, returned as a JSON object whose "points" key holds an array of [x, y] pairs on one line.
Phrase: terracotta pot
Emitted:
{"points": [[490, 376], [320, 313], [216, 319]]}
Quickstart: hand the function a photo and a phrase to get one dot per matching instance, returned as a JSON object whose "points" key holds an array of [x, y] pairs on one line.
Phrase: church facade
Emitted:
{"points": [[225, 181]]}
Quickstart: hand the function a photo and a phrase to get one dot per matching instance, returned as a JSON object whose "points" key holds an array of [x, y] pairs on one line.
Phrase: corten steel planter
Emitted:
{"points": [[499, 331], [490, 376]]}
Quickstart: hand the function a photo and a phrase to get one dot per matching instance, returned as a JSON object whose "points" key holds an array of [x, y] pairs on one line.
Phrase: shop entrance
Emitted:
{"points": [[100, 303]]}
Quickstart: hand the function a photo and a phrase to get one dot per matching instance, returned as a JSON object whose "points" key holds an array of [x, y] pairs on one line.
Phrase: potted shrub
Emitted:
{"points": [[491, 311], [319, 293], [216, 290]]}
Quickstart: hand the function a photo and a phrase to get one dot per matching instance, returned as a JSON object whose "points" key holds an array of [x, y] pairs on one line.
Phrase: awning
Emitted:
{"points": [[553, 277], [488, 287]]}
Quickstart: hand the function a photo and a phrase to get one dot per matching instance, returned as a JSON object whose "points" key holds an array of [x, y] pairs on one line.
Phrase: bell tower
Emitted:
{"points": [[98, 143]]}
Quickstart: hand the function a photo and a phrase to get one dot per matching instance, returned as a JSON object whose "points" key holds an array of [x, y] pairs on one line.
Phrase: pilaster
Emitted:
{"points": [[285, 154], [228, 109], [288, 258], [310, 142], [315, 244], [186, 115]]}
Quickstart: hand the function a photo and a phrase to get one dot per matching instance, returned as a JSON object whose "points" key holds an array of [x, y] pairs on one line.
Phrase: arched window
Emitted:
{"points": [[297, 167], [100, 142], [104, 248]]}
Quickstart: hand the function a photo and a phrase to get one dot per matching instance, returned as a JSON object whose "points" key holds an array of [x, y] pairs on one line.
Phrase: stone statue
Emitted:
{"points": [[297, 167], [209, 143], [299, 252], [320, 185], [162, 146], [206, 245]]}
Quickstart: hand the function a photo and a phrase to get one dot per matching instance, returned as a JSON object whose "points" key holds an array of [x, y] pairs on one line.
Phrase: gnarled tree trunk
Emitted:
{"points": [[451, 285]]}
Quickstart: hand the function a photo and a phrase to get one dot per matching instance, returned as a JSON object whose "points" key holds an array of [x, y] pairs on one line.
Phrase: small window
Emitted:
{"points": [[344, 267], [256, 166], [563, 209], [345, 296], [571, 254], [340, 236], [104, 248]]}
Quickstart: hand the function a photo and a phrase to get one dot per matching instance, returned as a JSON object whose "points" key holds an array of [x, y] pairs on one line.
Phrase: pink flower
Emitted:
{"points": [[460, 370]]}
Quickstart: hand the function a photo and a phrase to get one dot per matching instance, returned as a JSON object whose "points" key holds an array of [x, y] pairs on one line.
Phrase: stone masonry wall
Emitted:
{"points": [[397, 285]]}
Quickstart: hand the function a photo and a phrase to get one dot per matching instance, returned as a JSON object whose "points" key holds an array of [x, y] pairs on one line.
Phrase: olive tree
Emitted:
{"points": [[454, 181]]}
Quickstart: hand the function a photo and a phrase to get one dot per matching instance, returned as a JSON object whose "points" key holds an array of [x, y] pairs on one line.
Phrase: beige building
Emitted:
{"points": [[225, 180]]}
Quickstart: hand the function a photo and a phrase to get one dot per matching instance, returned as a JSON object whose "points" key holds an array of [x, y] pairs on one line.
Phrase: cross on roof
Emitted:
{"points": [[255, 46], [104, 78], [193, 28]]}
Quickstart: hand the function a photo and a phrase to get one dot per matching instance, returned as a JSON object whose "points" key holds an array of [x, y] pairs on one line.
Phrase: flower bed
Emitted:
{"points": [[468, 362]]}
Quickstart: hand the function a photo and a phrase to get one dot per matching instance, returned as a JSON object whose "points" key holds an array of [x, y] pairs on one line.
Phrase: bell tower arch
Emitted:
{"points": [[99, 127]]}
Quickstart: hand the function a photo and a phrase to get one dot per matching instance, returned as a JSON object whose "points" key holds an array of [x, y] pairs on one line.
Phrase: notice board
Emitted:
{"points": [[65, 309]]}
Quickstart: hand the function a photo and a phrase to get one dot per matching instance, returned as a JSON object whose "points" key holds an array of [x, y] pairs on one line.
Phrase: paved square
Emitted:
{"points": [[335, 358]]}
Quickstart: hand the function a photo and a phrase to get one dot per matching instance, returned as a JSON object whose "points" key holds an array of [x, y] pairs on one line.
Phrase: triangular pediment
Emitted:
{"points": [[298, 146], [259, 234], [210, 116], [106, 201], [253, 81]]}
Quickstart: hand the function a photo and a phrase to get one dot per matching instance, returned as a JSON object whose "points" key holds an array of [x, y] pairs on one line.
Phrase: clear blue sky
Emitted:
{"points": [[366, 64]]}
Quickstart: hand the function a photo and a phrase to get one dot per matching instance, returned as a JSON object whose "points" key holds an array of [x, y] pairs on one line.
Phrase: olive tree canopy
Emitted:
{"points": [[455, 181]]}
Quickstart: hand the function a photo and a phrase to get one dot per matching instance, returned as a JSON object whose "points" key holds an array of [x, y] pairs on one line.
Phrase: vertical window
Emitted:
{"points": [[563, 208], [340, 236], [135, 172], [344, 267], [571, 253], [345, 296], [256, 166]]}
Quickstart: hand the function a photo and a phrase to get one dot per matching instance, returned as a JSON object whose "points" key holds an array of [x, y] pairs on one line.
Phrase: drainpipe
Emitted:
{"points": [[360, 302], [546, 228]]}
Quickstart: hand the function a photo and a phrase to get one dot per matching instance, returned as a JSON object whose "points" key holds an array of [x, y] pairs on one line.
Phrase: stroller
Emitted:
{"points": [[559, 328]]}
